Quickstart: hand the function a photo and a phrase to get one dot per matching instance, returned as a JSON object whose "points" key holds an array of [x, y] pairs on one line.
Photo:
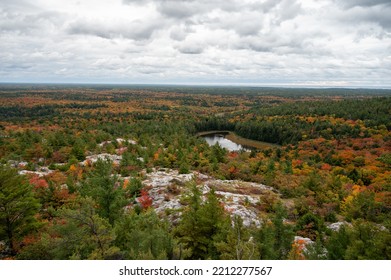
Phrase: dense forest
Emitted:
{"points": [[118, 172]]}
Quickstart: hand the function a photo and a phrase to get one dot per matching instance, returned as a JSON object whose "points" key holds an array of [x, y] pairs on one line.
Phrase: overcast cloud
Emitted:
{"points": [[265, 42]]}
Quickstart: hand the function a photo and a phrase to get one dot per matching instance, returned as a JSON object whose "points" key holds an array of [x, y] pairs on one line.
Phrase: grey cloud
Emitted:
{"points": [[377, 14], [382, 18], [190, 49], [17, 66], [138, 2], [280, 42], [243, 23], [187, 8], [20, 23], [136, 30], [181, 9], [196, 40], [363, 3], [288, 10], [23, 5], [132, 1], [248, 27], [180, 32]]}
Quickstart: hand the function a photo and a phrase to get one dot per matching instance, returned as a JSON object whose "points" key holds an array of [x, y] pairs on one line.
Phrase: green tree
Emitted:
{"points": [[369, 241], [144, 236], [275, 237], [78, 149], [133, 188], [236, 243], [189, 231], [91, 235], [201, 225], [106, 189], [18, 207], [310, 225], [315, 251], [77, 232], [265, 238], [338, 243], [211, 220]]}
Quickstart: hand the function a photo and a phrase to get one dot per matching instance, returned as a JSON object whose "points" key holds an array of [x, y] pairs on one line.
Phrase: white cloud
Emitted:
{"points": [[223, 41]]}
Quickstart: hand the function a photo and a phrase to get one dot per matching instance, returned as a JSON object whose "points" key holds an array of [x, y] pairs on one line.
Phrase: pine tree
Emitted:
{"points": [[106, 189], [144, 236], [235, 242], [18, 207], [201, 225], [275, 236], [77, 232], [90, 236], [338, 242]]}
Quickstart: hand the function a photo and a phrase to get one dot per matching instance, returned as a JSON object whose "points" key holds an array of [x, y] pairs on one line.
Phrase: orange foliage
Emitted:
{"points": [[296, 252], [232, 169], [72, 168], [326, 167], [126, 182]]}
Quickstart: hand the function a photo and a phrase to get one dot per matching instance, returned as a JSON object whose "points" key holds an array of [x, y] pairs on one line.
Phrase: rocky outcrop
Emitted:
{"points": [[303, 240], [166, 177], [240, 198], [41, 172], [119, 141], [337, 226], [116, 159]]}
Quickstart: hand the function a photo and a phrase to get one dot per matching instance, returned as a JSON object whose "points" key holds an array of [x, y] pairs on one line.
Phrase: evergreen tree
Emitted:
{"points": [[315, 251], [106, 189], [310, 225], [283, 232], [18, 207], [189, 230], [369, 241], [236, 242], [133, 188], [337, 243], [275, 237], [78, 232], [212, 216], [92, 236], [201, 225], [145, 236], [266, 239], [78, 149]]}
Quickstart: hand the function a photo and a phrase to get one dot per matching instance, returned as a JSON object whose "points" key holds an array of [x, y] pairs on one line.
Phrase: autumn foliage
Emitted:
{"points": [[145, 200], [325, 152]]}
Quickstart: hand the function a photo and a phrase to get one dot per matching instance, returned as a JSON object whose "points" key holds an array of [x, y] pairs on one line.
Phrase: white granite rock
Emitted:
{"points": [[337, 226], [116, 159]]}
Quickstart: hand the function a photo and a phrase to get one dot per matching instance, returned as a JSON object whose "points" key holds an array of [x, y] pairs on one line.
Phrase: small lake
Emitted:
{"points": [[213, 139]]}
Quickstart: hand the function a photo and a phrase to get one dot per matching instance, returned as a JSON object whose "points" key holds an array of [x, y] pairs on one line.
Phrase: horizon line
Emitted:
{"points": [[256, 85]]}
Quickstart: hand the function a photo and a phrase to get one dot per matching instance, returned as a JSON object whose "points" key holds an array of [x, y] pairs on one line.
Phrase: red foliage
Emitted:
{"points": [[145, 200], [233, 155], [29, 239], [38, 182]]}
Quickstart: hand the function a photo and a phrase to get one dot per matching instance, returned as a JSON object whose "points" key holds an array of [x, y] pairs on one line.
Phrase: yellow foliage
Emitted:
{"points": [[72, 168]]}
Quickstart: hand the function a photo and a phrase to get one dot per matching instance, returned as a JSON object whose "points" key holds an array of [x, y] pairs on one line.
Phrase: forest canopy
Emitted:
{"points": [[119, 172]]}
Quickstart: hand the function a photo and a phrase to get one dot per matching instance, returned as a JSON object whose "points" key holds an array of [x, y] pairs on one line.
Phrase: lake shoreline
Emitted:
{"points": [[245, 142]]}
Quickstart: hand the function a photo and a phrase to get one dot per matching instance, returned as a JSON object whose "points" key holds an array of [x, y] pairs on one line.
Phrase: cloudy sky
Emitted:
{"points": [[257, 42]]}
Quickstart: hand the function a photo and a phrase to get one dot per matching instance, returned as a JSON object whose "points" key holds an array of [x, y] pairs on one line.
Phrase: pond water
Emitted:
{"points": [[231, 146]]}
